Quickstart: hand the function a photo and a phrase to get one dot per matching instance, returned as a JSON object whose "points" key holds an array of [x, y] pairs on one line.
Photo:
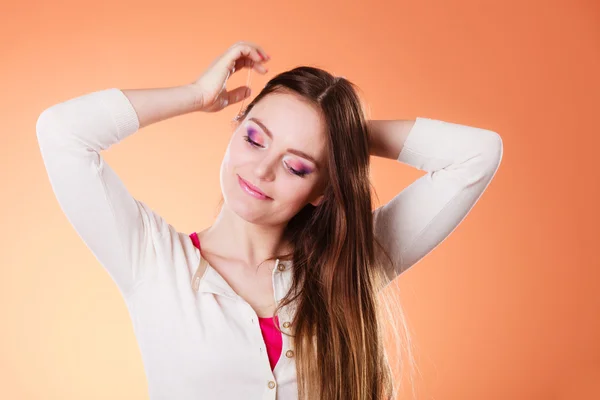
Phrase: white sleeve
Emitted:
{"points": [[115, 226], [460, 162]]}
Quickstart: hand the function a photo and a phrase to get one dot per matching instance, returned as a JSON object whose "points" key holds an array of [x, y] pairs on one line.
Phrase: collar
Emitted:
{"points": [[212, 282]]}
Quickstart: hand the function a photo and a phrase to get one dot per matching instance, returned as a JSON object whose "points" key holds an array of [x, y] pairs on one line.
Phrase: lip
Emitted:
{"points": [[252, 190]]}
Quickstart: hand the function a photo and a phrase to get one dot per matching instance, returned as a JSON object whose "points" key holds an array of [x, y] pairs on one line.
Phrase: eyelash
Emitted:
{"points": [[292, 170]]}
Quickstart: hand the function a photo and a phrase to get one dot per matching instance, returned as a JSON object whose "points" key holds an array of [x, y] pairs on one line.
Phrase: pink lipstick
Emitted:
{"points": [[252, 190]]}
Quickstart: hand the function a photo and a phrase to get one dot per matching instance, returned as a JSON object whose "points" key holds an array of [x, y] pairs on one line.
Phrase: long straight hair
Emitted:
{"points": [[340, 311]]}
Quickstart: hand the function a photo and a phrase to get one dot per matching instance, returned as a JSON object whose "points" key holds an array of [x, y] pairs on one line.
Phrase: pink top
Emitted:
{"points": [[271, 335]]}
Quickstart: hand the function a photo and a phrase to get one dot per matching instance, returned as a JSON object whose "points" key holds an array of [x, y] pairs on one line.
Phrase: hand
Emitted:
{"points": [[210, 87]]}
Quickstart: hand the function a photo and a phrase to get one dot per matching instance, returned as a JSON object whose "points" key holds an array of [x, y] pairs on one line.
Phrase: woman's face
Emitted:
{"points": [[266, 151]]}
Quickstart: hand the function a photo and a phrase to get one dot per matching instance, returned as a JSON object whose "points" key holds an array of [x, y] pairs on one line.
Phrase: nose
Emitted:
{"points": [[265, 168]]}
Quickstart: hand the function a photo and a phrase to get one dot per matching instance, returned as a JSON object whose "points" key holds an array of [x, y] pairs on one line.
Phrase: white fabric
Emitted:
{"points": [[207, 344]]}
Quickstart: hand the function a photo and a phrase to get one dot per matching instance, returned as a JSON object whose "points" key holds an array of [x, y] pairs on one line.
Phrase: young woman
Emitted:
{"points": [[278, 299]]}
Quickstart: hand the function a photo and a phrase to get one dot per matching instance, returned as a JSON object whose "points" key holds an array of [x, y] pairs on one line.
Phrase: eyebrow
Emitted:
{"points": [[293, 151]]}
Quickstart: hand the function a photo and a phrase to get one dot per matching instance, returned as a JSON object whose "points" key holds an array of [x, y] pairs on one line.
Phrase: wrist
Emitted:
{"points": [[196, 96]]}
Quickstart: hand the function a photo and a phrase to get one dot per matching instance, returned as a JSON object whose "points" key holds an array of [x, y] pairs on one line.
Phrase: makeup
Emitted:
{"points": [[252, 135], [295, 167], [251, 190], [298, 168]]}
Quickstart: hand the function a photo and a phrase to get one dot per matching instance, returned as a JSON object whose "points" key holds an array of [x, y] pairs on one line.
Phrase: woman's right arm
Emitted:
{"points": [[154, 105], [115, 226]]}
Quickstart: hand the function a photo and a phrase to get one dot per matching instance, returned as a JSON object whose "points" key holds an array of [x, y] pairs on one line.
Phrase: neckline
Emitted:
{"points": [[199, 247], [196, 239]]}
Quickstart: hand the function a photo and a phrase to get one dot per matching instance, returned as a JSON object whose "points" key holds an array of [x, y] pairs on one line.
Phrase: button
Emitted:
{"points": [[281, 267], [271, 384], [289, 354], [286, 324]]}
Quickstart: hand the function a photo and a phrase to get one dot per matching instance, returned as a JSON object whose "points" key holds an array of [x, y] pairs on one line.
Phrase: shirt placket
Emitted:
{"points": [[279, 280]]}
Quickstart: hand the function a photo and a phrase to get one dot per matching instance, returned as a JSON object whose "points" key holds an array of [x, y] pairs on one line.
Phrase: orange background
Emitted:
{"points": [[508, 307]]}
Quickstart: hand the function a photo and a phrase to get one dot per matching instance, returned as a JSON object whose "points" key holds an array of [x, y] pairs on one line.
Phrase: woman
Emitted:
{"points": [[278, 298]]}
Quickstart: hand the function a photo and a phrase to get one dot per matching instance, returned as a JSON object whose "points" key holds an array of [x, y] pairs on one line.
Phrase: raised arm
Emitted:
{"points": [[460, 162], [115, 226], [71, 135]]}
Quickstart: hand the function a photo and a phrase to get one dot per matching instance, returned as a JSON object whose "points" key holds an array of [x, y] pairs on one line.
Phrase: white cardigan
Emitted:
{"points": [[198, 338]]}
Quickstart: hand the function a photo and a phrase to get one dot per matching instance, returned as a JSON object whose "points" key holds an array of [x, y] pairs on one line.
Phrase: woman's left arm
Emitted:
{"points": [[460, 162]]}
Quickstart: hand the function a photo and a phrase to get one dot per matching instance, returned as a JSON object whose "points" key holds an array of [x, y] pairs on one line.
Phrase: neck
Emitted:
{"points": [[233, 237]]}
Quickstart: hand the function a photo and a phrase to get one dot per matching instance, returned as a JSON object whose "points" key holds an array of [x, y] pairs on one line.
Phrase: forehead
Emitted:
{"points": [[292, 121]]}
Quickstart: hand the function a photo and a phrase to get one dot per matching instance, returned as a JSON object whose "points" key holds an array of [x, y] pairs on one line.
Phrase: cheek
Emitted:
{"points": [[293, 193], [238, 153]]}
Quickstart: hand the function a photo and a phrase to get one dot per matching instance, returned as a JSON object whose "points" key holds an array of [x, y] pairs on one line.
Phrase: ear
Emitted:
{"points": [[317, 201]]}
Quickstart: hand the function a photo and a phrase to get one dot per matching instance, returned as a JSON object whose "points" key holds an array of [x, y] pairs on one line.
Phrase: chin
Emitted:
{"points": [[243, 205], [247, 211]]}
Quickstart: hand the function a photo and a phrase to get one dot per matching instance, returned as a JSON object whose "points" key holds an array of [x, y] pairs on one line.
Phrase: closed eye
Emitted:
{"points": [[293, 171], [252, 142], [300, 174]]}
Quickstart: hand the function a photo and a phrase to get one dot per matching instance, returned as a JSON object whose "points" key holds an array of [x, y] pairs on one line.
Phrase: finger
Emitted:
{"points": [[260, 50], [241, 52], [261, 68], [255, 54], [236, 95], [246, 62], [244, 55]]}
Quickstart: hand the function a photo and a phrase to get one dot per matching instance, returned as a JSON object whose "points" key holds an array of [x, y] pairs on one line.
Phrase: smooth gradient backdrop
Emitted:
{"points": [[508, 307]]}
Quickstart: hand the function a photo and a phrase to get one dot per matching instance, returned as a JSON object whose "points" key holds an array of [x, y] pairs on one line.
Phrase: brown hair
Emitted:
{"points": [[338, 325]]}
